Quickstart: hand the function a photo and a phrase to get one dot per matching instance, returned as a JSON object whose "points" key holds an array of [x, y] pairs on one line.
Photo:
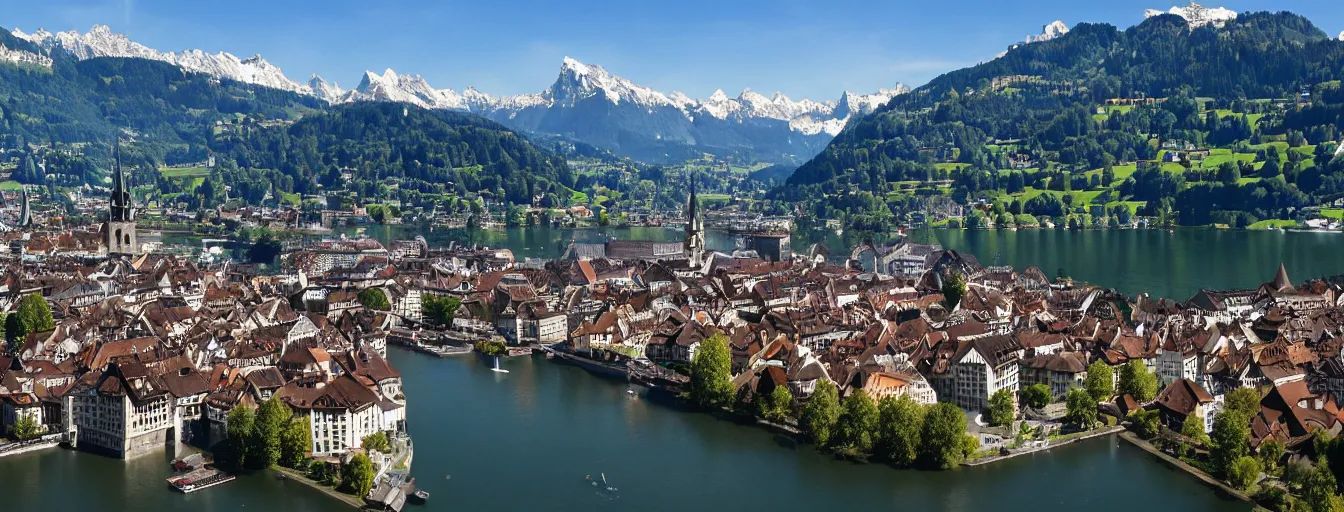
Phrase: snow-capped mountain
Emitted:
{"points": [[586, 101], [587, 98], [1341, 36], [1054, 29], [324, 90], [1197, 15], [100, 41]]}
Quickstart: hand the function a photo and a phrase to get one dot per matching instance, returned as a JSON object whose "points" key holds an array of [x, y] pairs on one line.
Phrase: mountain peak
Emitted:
{"points": [[101, 41], [1341, 36], [573, 65], [1050, 31], [1197, 15]]}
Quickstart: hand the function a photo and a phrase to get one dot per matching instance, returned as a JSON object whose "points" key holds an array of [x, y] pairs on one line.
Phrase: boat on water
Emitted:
{"points": [[418, 497], [497, 368]]}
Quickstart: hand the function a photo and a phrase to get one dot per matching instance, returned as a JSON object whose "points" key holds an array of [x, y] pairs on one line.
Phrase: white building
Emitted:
{"points": [[982, 367]]}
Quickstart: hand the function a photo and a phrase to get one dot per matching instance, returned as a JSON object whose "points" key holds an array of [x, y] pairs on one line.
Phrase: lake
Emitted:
{"points": [[1163, 264]]}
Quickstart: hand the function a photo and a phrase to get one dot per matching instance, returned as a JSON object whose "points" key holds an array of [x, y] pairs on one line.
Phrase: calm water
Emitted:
{"points": [[1174, 265], [1162, 264], [525, 441]]}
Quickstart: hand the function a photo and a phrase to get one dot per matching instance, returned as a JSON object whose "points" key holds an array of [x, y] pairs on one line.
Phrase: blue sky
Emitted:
{"points": [[811, 49]]}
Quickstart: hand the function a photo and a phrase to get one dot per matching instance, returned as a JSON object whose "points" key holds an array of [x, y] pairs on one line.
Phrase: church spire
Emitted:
{"points": [[25, 214], [120, 204]]}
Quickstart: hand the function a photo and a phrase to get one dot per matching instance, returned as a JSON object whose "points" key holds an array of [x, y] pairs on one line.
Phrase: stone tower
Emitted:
{"points": [[120, 228]]}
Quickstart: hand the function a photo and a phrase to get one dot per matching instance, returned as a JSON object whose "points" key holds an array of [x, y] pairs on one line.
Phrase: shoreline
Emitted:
{"points": [[1194, 472], [295, 476], [984, 461]]}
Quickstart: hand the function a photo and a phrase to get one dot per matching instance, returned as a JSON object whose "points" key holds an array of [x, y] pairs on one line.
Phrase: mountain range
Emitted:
{"points": [[586, 102]]}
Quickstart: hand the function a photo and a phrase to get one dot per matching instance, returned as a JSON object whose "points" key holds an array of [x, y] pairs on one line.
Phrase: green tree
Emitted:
{"points": [[1271, 451], [1229, 440], [295, 442], [1100, 382], [856, 428], [24, 428], [900, 421], [357, 475], [264, 445], [377, 213], [32, 315], [820, 413], [1243, 401], [711, 373], [376, 441], [1193, 428], [1243, 472], [1137, 381], [374, 298], [775, 407], [1081, 408], [954, 288], [1001, 409], [1319, 486], [944, 428], [440, 310], [265, 250], [1036, 395], [238, 430], [1145, 422]]}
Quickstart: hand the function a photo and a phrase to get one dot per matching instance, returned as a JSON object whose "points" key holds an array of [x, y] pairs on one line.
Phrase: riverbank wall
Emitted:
{"points": [[298, 476], [8, 450], [1097, 433], [1199, 474]]}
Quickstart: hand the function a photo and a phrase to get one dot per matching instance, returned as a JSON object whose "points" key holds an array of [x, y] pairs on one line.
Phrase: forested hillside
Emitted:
{"points": [[57, 125], [384, 145], [1229, 124]]}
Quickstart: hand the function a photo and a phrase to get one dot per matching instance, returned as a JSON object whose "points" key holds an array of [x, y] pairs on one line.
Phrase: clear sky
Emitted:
{"points": [[813, 49]]}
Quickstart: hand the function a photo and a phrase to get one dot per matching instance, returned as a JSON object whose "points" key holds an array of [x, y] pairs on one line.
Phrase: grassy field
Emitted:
{"points": [[1121, 171], [10, 185], [949, 166], [1274, 223], [1329, 213], [708, 199], [184, 172]]}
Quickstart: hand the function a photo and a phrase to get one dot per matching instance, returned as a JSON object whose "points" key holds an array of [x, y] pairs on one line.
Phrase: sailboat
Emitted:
{"points": [[497, 368]]}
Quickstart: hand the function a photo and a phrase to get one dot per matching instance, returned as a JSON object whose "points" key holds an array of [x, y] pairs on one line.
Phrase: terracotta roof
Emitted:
{"points": [[1183, 396]]}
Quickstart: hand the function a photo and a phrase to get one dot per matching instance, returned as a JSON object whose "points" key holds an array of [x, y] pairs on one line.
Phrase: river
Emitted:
{"points": [[527, 439]]}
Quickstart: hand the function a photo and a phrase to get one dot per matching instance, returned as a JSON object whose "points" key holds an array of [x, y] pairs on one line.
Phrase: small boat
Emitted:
{"points": [[419, 497], [497, 368]]}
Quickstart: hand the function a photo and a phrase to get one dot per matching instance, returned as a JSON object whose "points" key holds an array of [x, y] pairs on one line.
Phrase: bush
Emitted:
{"points": [[491, 348], [1243, 472]]}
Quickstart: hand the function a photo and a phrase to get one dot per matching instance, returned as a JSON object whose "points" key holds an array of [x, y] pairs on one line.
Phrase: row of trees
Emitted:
{"points": [[897, 430], [265, 437]]}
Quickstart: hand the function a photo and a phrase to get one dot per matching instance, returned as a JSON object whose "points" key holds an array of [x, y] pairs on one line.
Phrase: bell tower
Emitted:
{"points": [[119, 232]]}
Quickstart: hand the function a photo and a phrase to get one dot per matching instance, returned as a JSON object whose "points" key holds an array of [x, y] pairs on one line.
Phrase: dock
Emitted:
{"points": [[199, 479], [195, 472]]}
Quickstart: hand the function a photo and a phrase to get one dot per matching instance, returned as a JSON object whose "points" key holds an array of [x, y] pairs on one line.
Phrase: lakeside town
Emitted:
{"points": [[908, 354]]}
